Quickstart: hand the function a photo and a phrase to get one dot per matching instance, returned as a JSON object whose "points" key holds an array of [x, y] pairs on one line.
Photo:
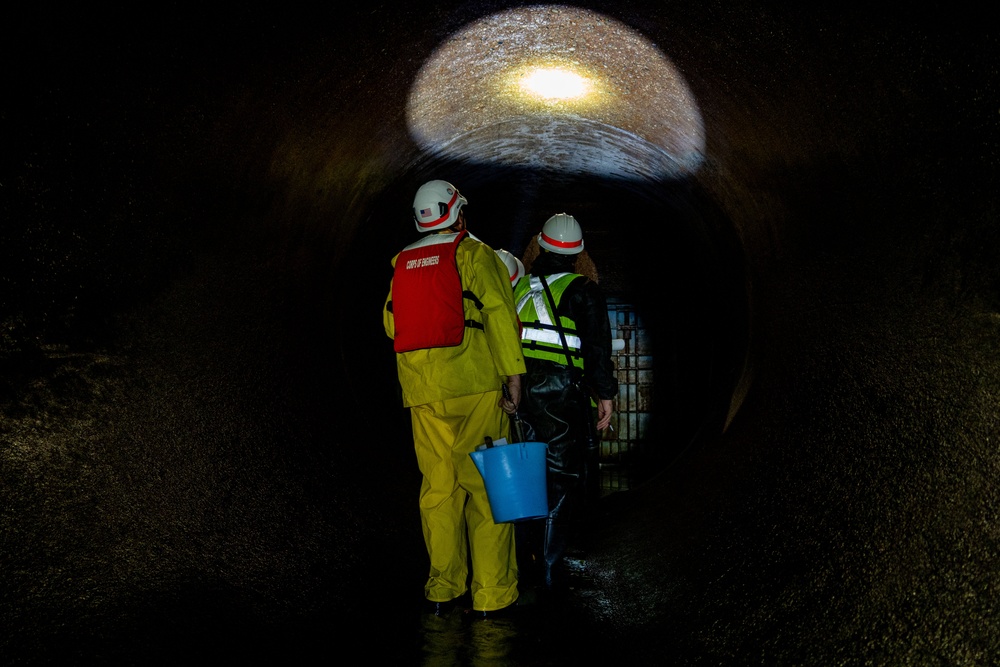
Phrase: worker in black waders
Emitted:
{"points": [[567, 393]]}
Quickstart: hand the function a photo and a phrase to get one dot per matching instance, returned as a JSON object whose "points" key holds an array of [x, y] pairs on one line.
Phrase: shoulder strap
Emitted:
{"points": [[557, 321], [468, 294]]}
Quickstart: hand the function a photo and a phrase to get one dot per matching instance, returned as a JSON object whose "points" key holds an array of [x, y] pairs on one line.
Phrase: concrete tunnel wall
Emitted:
{"points": [[202, 439]]}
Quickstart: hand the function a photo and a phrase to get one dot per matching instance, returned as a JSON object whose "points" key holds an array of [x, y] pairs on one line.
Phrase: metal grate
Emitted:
{"points": [[634, 368]]}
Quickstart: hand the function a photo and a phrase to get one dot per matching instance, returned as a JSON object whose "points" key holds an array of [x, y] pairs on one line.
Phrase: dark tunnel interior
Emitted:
{"points": [[203, 450]]}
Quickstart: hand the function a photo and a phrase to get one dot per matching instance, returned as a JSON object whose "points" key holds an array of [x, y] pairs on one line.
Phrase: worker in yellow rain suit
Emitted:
{"points": [[450, 313]]}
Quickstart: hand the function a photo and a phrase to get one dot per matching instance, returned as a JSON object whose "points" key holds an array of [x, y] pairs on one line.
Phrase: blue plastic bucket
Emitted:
{"points": [[515, 480]]}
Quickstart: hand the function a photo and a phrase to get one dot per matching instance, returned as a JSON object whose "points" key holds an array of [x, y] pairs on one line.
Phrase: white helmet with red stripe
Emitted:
{"points": [[515, 267], [562, 234], [436, 206]]}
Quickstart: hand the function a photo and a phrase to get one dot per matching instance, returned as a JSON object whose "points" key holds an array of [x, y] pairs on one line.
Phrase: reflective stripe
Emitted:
{"points": [[536, 292], [551, 338], [561, 244]]}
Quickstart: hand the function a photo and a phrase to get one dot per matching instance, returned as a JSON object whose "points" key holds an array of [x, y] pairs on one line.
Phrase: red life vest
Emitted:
{"points": [[427, 298]]}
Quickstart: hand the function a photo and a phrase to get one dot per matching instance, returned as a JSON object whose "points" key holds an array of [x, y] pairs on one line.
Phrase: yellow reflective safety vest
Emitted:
{"points": [[490, 348], [540, 335]]}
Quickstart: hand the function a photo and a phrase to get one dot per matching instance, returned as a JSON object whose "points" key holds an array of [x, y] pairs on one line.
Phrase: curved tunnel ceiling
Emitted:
{"points": [[632, 116]]}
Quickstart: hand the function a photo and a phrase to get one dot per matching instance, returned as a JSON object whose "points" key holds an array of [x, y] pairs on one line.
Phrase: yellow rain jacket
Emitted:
{"points": [[484, 358]]}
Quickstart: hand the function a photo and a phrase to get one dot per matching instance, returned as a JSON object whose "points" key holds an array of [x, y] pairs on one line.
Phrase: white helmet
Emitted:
{"points": [[436, 206], [515, 268], [562, 234]]}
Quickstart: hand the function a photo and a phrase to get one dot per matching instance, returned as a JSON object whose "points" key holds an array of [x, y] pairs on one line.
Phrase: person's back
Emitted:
{"points": [[468, 367]]}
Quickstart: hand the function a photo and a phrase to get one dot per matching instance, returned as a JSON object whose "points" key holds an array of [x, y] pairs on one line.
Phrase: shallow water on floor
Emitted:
{"points": [[542, 630], [528, 637]]}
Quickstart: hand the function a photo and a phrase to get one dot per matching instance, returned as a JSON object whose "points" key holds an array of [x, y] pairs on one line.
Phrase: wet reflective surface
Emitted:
{"points": [[541, 634]]}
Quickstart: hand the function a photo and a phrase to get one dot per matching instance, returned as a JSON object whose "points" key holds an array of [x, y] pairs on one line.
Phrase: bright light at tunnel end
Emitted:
{"points": [[554, 83]]}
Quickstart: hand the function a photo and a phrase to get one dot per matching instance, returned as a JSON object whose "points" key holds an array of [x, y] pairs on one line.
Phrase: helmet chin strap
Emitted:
{"points": [[459, 226]]}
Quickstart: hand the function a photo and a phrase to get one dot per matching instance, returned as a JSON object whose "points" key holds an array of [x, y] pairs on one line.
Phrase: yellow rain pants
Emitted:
{"points": [[453, 501]]}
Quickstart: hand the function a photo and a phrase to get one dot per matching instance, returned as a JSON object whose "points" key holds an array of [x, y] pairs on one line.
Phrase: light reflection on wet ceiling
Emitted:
{"points": [[632, 116]]}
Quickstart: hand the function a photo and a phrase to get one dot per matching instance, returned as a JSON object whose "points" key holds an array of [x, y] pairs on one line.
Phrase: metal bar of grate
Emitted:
{"points": [[634, 369]]}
